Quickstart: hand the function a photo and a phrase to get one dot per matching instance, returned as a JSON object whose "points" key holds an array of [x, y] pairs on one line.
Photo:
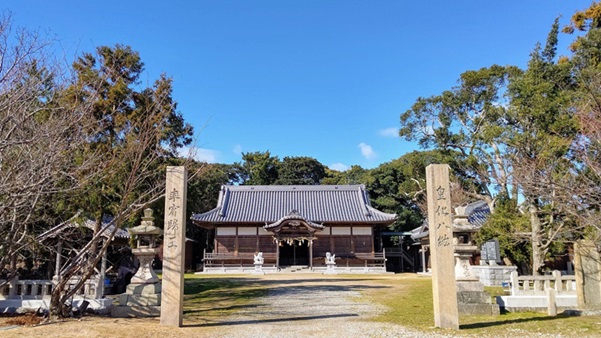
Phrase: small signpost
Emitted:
{"points": [[440, 227], [174, 242]]}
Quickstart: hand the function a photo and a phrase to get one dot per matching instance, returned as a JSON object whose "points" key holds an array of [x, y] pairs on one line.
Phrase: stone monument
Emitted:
{"points": [[174, 247], [587, 264], [142, 297], [440, 227]]}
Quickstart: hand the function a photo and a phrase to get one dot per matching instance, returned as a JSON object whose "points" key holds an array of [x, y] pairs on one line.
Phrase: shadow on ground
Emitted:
{"points": [[510, 321], [274, 320]]}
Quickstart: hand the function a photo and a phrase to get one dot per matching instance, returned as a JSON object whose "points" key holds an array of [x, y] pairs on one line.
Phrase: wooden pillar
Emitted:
{"points": [[352, 240], [311, 254], [424, 267], [258, 245], [277, 253], [236, 243]]}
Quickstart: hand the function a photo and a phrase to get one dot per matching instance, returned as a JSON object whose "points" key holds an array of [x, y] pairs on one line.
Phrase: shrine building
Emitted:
{"points": [[294, 226]]}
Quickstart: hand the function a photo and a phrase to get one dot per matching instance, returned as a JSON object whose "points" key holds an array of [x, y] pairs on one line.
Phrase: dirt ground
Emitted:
{"points": [[293, 305]]}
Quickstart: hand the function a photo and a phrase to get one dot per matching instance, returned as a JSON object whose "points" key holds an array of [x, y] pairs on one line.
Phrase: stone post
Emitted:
{"points": [[442, 257], [587, 264], [174, 247], [551, 302]]}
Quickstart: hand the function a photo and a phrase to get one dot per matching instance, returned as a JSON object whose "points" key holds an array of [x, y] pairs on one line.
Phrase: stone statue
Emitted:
{"points": [[259, 258], [330, 258]]}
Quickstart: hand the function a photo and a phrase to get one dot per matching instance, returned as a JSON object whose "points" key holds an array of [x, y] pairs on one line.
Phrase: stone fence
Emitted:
{"points": [[39, 289], [538, 293], [538, 285]]}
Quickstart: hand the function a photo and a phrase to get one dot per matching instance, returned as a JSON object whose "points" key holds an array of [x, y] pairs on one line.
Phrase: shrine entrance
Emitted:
{"points": [[295, 253], [293, 235]]}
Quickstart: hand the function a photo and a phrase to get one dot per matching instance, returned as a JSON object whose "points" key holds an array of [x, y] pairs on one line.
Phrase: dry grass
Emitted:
{"points": [[29, 319], [407, 298]]}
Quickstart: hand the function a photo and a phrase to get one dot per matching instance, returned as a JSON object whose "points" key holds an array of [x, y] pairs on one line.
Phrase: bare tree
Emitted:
{"points": [[38, 134]]}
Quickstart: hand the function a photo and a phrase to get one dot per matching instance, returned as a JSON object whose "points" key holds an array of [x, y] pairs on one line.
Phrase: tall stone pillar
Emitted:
{"points": [[440, 227], [587, 264], [174, 247]]}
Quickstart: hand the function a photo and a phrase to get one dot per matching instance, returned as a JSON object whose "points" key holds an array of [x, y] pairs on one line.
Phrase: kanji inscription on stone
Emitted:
{"points": [[440, 226], [174, 247]]}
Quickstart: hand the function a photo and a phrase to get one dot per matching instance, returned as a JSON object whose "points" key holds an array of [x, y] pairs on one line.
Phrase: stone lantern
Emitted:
{"points": [[146, 235], [471, 297], [464, 245], [142, 297]]}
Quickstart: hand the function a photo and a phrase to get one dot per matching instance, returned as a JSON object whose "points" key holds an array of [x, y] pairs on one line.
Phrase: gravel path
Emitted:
{"points": [[312, 311]]}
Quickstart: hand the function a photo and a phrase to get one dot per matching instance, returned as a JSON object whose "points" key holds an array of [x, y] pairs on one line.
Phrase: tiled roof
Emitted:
{"points": [[316, 203], [477, 212], [294, 216]]}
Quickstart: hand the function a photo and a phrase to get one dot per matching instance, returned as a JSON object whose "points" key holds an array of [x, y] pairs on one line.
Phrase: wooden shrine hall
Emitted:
{"points": [[294, 227]]}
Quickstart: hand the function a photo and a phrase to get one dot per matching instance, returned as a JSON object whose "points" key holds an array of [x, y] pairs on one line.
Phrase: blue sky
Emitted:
{"points": [[325, 79]]}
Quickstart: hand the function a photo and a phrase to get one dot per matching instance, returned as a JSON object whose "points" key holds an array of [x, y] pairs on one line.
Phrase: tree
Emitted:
{"points": [[354, 175], [510, 126], [399, 186], [257, 168], [465, 119], [140, 132], [540, 131], [39, 132], [300, 170]]}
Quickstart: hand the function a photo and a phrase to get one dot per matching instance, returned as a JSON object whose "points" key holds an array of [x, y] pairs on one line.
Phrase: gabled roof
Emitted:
{"points": [[293, 216], [316, 203]]}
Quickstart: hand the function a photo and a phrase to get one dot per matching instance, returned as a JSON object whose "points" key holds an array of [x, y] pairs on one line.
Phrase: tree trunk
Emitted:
{"points": [[538, 258]]}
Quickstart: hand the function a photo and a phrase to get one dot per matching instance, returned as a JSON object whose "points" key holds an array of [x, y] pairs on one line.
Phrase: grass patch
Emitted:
{"points": [[408, 300], [409, 303], [207, 298]]}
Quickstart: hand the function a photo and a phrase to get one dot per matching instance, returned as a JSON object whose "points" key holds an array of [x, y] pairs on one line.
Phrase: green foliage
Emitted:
{"points": [[108, 82], [300, 170], [354, 175], [511, 227], [258, 168]]}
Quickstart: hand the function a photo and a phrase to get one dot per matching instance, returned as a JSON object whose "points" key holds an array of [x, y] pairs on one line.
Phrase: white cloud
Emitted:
{"points": [[389, 132], [207, 155], [339, 166], [237, 149], [200, 154], [367, 151]]}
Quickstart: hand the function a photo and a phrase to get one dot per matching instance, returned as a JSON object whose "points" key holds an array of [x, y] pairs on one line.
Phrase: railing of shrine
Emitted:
{"points": [[537, 285], [38, 289]]}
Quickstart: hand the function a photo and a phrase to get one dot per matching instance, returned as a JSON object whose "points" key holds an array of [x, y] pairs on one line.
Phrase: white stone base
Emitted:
{"points": [[271, 270], [493, 275], [236, 270], [100, 306], [536, 303]]}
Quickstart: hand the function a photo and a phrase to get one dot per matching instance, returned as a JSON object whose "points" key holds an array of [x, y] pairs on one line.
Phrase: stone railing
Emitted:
{"points": [[38, 289], [538, 285]]}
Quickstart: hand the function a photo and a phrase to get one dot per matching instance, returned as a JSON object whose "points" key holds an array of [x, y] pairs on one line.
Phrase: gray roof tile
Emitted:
{"points": [[316, 203]]}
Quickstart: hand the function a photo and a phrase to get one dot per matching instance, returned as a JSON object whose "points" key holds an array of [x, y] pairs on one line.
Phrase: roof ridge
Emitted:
{"points": [[318, 187]]}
